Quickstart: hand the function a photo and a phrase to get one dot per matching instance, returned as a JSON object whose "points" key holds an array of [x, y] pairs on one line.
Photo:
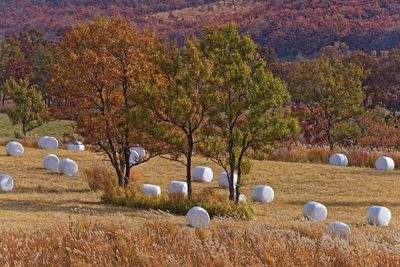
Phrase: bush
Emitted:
{"points": [[214, 204], [101, 177]]}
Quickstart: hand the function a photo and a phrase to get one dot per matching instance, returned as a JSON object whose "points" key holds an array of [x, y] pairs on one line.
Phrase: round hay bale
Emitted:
{"points": [[134, 157], [41, 141], [202, 174], [76, 146], [338, 229], [151, 190], [50, 143], [68, 167], [51, 162], [6, 183], [178, 187], [140, 150], [338, 160], [378, 215], [14, 149], [263, 193], [315, 211], [384, 163], [198, 217], [223, 180], [242, 198]]}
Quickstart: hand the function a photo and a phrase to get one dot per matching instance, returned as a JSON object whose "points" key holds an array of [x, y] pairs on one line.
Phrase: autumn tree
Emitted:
{"points": [[332, 86], [105, 66], [181, 103], [248, 112], [29, 110]]}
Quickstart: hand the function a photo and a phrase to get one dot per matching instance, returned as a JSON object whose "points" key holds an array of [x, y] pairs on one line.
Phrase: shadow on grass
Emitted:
{"points": [[48, 190], [68, 207]]}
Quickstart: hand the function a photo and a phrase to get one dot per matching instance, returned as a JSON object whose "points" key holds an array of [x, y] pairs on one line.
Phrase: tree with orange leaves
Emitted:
{"points": [[105, 66]]}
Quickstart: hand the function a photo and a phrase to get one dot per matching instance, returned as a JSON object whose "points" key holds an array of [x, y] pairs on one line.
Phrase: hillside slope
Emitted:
{"points": [[290, 27]]}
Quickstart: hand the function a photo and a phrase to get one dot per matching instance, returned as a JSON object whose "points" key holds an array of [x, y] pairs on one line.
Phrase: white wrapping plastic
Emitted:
{"points": [[315, 211], [68, 167], [41, 141], [134, 157], [139, 150], [51, 162], [14, 149], [202, 174], [50, 143], [6, 183], [338, 160], [176, 187], [263, 193], [151, 190], [76, 146], [339, 229], [378, 215], [384, 163], [198, 217], [223, 180], [242, 198]]}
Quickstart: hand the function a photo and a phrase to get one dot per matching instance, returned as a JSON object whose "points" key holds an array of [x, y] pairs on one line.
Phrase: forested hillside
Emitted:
{"points": [[292, 28]]}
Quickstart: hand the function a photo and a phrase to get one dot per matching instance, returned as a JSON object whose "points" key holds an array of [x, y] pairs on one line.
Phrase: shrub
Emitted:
{"points": [[214, 204], [101, 177]]}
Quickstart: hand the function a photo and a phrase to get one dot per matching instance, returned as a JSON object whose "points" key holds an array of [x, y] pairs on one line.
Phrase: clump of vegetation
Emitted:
{"points": [[177, 204]]}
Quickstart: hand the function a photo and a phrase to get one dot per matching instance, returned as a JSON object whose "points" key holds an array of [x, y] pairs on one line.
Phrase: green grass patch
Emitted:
{"points": [[56, 128]]}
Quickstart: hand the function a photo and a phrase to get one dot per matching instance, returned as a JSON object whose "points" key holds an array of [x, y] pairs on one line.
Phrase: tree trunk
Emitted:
{"points": [[231, 173], [127, 166], [189, 164]]}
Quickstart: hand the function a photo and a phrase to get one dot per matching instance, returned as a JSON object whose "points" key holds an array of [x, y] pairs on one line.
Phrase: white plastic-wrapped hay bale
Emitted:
{"points": [[68, 167], [50, 143], [151, 190], [76, 146], [242, 198], [384, 163], [51, 162], [133, 157], [41, 141], [14, 149], [198, 217], [223, 180], [140, 150], [315, 211], [378, 215], [178, 187], [263, 193], [202, 174], [339, 229], [6, 183], [338, 160]]}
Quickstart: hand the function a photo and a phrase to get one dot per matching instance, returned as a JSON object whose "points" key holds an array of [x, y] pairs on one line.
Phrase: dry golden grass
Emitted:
{"points": [[42, 201]]}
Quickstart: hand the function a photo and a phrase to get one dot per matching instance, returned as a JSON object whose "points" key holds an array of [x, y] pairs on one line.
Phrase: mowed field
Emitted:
{"points": [[42, 199]]}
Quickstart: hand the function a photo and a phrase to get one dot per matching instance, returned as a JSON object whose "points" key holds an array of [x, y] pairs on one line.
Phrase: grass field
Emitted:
{"points": [[42, 201], [54, 128]]}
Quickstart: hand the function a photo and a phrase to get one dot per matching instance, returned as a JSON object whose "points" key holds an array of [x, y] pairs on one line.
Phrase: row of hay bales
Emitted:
{"points": [[312, 211], [382, 163], [51, 162]]}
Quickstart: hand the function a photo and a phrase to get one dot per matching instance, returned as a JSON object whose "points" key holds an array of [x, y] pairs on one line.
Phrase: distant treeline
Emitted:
{"points": [[292, 28]]}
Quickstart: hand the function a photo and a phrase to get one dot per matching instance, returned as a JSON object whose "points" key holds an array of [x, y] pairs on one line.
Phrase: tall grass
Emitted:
{"points": [[158, 243]]}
